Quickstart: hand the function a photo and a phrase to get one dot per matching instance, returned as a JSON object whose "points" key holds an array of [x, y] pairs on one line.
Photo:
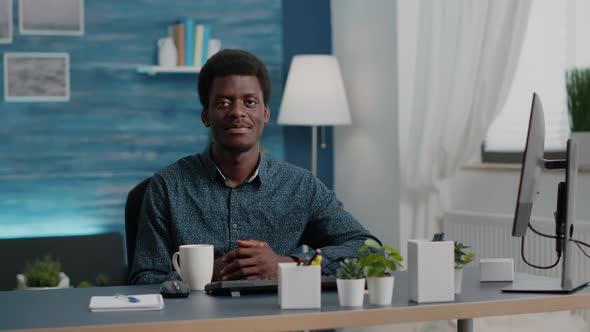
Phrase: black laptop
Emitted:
{"points": [[256, 286]]}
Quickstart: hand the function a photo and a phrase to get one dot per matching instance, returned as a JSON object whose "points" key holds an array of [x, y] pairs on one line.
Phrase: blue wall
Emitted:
{"points": [[66, 168], [307, 30]]}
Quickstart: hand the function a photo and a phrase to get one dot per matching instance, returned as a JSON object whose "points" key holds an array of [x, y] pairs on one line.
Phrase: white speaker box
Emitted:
{"points": [[431, 271], [496, 269]]}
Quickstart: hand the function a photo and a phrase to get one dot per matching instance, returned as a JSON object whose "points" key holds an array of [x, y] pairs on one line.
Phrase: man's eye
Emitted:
{"points": [[221, 104], [251, 102]]}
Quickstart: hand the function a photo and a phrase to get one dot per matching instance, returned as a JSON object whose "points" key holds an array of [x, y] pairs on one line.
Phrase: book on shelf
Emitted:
{"points": [[206, 40], [189, 41], [202, 37], [179, 42], [194, 45], [198, 44]]}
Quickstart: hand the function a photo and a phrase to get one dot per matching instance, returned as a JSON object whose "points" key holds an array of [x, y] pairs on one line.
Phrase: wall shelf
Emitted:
{"points": [[153, 70]]}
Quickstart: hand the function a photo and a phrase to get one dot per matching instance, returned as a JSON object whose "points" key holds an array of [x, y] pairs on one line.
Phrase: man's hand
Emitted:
{"points": [[252, 260], [220, 262], [252, 244]]}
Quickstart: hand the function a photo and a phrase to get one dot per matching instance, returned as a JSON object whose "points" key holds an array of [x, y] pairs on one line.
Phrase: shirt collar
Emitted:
{"points": [[213, 171]]}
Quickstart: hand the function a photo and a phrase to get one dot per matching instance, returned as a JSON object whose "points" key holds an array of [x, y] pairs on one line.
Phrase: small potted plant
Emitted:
{"points": [[42, 274], [350, 281], [462, 258], [377, 267]]}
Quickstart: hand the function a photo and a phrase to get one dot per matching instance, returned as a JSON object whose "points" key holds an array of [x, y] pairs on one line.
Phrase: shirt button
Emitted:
{"points": [[234, 226]]}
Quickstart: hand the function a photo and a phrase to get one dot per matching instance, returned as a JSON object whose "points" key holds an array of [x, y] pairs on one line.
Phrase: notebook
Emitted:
{"points": [[257, 285], [142, 302]]}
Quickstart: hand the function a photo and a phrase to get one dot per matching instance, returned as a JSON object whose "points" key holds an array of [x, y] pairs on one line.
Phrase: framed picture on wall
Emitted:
{"points": [[55, 17], [5, 21], [36, 77]]}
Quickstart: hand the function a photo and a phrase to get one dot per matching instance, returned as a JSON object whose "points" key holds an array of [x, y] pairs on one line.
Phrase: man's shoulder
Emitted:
{"points": [[185, 166], [283, 168]]}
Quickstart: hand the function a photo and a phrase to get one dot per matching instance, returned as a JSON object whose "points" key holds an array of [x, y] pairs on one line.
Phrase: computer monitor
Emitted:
{"points": [[532, 165]]}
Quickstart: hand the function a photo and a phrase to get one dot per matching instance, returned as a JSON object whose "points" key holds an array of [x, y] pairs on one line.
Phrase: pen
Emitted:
{"points": [[316, 259], [127, 298]]}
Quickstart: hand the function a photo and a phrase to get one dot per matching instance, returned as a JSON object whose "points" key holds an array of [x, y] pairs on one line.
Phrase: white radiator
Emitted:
{"points": [[490, 237]]}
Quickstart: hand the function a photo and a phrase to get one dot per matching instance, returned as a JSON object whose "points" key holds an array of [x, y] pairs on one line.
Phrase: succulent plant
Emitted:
{"points": [[461, 257], [43, 273], [350, 269]]}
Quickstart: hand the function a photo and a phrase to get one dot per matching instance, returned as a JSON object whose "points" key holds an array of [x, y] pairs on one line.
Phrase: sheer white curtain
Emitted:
{"points": [[465, 57]]}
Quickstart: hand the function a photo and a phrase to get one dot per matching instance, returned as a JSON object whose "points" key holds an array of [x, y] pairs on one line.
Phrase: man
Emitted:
{"points": [[256, 211]]}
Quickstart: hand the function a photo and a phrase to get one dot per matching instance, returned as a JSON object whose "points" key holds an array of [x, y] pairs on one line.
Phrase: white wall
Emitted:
{"points": [[578, 53], [366, 167]]}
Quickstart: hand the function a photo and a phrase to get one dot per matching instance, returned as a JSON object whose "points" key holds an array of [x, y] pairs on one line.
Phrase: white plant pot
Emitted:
{"points": [[458, 280], [351, 292], [21, 282], [380, 290]]}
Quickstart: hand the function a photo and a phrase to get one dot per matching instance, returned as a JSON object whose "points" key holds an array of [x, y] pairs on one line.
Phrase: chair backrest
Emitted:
{"points": [[132, 211]]}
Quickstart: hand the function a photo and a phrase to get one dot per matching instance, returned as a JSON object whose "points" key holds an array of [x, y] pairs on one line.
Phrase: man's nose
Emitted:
{"points": [[237, 110]]}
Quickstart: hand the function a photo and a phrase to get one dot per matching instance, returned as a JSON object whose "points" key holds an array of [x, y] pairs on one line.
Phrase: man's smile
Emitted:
{"points": [[238, 128]]}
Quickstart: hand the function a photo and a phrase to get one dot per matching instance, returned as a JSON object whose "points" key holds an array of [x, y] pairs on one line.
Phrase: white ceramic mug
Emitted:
{"points": [[197, 264]]}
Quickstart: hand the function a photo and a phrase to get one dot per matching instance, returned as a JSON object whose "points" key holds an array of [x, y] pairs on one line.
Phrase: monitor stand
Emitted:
{"points": [[544, 285], [565, 216]]}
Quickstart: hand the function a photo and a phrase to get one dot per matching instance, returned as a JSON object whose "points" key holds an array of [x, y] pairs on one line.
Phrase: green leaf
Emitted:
{"points": [[373, 244], [364, 248], [364, 261], [374, 271], [386, 247], [391, 265], [468, 258], [395, 256]]}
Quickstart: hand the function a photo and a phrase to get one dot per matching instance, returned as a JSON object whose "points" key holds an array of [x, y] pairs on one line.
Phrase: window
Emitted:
{"points": [[549, 49]]}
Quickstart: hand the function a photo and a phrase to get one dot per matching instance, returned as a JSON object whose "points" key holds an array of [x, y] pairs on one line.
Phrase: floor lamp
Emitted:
{"points": [[314, 96]]}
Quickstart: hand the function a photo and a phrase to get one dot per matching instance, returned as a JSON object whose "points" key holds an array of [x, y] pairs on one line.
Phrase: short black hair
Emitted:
{"points": [[233, 62]]}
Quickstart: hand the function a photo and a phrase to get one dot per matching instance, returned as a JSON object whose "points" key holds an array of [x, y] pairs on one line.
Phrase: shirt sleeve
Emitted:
{"points": [[332, 229], [152, 261]]}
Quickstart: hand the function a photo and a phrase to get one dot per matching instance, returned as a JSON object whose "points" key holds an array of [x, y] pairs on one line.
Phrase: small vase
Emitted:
{"points": [[380, 290], [458, 279], [351, 292], [166, 52]]}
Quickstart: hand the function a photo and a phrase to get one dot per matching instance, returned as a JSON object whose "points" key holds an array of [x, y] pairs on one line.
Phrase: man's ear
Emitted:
{"points": [[266, 114], [205, 117]]}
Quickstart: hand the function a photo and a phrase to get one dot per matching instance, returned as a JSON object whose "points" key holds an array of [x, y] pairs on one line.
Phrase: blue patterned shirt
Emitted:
{"points": [[189, 202]]}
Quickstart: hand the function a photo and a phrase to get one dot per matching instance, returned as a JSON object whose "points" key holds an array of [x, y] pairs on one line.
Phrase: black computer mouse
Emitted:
{"points": [[174, 288]]}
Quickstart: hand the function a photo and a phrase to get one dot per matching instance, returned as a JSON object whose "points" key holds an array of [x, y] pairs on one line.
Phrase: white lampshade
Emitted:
{"points": [[314, 94]]}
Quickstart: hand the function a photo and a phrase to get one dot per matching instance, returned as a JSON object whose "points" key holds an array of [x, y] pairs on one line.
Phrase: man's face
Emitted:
{"points": [[236, 112]]}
